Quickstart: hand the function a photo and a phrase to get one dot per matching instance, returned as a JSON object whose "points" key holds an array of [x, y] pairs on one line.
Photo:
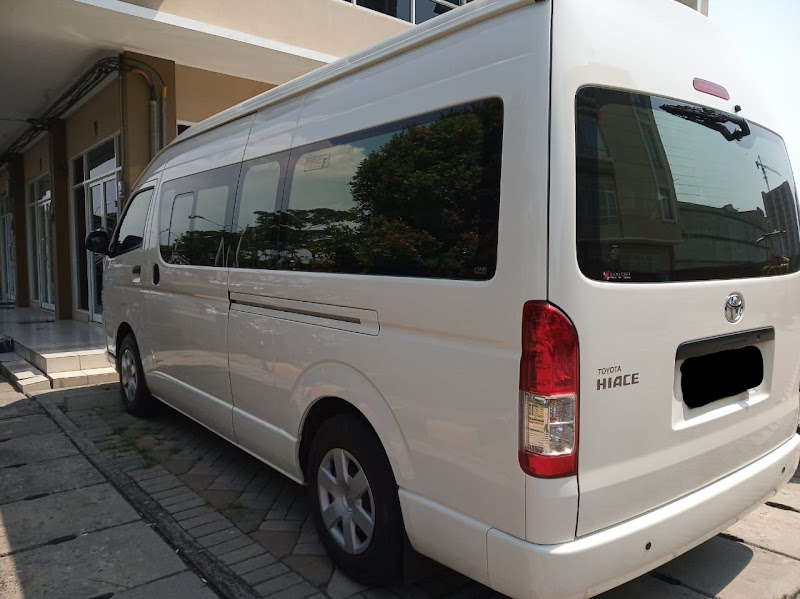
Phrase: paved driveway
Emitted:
{"points": [[247, 523]]}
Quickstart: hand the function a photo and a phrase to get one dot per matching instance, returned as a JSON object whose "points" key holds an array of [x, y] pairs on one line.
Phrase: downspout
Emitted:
{"points": [[121, 187], [163, 116]]}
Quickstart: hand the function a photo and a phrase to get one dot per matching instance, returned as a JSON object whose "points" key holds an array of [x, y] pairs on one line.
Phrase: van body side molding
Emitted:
{"points": [[356, 320]]}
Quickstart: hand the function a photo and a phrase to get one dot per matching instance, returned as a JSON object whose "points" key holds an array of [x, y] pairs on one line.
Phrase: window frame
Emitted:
{"points": [[188, 184], [115, 237], [282, 159]]}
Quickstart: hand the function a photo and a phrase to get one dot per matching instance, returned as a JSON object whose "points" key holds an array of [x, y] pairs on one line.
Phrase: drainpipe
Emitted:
{"points": [[163, 116], [152, 105]]}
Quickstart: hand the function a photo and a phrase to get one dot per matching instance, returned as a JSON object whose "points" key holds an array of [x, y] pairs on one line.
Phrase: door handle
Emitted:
{"points": [[137, 270], [156, 274]]}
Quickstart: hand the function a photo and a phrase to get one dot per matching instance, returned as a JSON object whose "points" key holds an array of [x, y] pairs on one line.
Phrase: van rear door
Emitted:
{"points": [[681, 280]]}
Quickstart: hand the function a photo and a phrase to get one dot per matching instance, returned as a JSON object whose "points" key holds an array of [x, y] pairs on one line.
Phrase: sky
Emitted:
{"points": [[766, 33]]}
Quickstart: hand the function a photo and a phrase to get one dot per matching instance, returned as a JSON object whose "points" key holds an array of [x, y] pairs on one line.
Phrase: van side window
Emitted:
{"points": [[193, 216], [254, 237], [416, 198], [131, 230]]}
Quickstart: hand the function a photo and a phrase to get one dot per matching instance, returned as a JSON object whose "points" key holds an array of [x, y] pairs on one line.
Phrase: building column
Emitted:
{"points": [[62, 263], [16, 171]]}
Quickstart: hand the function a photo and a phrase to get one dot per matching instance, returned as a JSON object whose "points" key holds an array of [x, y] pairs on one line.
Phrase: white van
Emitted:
{"points": [[520, 284]]}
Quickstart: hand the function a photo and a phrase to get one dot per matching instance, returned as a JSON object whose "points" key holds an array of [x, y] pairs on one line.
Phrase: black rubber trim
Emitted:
{"points": [[702, 347], [313, 313]]}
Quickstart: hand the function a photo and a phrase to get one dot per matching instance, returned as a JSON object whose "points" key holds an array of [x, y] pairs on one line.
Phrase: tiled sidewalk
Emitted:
{"points": [[251, 518], [64, 530]]}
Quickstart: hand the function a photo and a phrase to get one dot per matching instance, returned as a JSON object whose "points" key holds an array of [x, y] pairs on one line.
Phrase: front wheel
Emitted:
{"points": [[135, 394], [355, 503]]}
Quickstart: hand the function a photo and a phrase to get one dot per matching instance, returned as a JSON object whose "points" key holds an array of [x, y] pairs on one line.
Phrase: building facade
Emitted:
{"points": [[89, 101]]}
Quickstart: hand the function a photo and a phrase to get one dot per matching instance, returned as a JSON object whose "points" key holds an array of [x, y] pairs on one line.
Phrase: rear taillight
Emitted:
{"points": [[548, 392]]}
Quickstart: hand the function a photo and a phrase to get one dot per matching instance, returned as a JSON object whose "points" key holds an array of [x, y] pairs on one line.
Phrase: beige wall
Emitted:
{"points": [[37, 159], [328, 26], [199, 93], [95, 121]]}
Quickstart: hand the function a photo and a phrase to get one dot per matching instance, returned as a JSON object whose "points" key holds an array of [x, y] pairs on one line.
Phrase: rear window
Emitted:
{"points": [[670, 191]]}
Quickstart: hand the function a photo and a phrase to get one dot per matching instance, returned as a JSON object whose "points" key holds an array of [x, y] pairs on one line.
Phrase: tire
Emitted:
{"points": [[371, 558], [133, 387]]}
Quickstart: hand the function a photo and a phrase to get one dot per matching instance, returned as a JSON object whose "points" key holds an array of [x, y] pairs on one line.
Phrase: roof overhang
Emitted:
{"points": [[46, 44]]}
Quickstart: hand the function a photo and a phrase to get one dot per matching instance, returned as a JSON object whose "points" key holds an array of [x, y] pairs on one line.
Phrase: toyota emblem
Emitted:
{"points": [[734, 307]]}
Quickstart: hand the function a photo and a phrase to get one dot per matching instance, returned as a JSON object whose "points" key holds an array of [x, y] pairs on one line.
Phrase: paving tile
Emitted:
{"points": [[309, 549], [341, 586], [789, 495], [165, 485], [240, 555], [202, 519], [316, 569], [20, 407], [277, 584], [35, 424], [254, 563], [192, 513], [232, 545], [647, 586], [220, 499], [299, 591], [144, 474], [726, 569], [184, 505], [197, 482], [27, 450], [207, 529], [180, 499], [222, 536], [280, 525], [49, 476], [185, 585], [161, 495], [279, 544], [265, 573], [772, 529], [96, 564], [26, 524], [86, 401]]}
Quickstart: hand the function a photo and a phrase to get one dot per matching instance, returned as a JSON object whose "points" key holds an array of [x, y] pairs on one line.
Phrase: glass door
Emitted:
{"points": [[44, 239], [9, 258], [101, 213]]}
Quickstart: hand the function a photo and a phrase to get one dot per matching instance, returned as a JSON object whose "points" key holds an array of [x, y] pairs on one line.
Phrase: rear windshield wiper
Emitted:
{"points": [[713, 119]]}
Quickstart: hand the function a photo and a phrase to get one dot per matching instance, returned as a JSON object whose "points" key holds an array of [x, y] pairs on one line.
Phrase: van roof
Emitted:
{"points": [[419, 35]]}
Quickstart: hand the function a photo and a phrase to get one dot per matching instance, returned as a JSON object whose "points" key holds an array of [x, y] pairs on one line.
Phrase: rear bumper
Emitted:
{"points": [[595, 563]]}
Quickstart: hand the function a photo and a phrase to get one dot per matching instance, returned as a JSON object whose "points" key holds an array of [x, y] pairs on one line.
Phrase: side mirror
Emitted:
{"points": [[97, 242]]}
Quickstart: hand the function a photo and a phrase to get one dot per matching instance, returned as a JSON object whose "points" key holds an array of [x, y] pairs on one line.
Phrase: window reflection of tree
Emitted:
{"points": [[425, 203]]}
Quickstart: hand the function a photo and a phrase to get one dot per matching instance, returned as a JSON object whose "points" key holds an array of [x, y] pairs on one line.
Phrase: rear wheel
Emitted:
{"points": [[135, 394], [355, 502]]}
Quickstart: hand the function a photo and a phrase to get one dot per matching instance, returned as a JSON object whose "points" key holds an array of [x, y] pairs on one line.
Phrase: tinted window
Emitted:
{"points": [[666, 192], [193, 217], [254, 238], [417, 198], [131, 229]]}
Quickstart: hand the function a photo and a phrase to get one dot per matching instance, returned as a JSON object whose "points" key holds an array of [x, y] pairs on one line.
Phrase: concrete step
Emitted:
{"points": [[79, 378], [23, 375], [60, 362], [28, 378]]}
